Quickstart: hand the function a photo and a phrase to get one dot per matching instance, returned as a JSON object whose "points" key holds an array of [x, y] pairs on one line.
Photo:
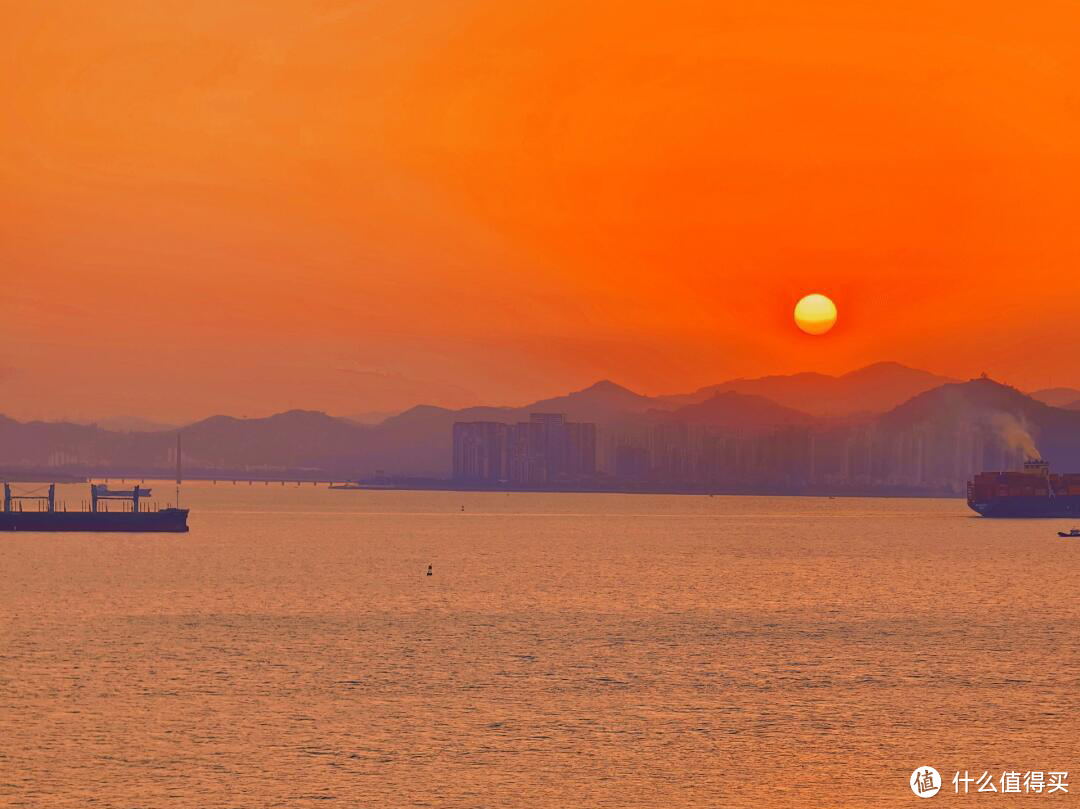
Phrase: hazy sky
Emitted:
{"points": [[215, 206]]}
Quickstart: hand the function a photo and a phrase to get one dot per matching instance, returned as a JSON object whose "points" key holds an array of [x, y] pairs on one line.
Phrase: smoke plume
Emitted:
{"points": [[1015, 434]]}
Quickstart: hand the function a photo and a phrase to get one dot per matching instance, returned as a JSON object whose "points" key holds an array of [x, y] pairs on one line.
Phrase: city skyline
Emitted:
{"points": [[886, 430]]}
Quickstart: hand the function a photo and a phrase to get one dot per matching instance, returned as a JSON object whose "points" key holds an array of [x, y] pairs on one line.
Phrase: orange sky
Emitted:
{"points": [[356, 206]]}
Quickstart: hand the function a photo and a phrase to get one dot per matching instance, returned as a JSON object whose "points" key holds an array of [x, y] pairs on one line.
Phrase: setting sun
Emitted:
{"points": [[815, 314]]}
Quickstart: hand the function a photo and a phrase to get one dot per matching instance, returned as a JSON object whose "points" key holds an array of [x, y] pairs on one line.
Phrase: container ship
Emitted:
{"points": [[109, 510], [1033, 492]]}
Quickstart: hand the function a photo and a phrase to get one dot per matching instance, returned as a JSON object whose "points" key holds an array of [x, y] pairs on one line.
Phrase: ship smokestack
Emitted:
{"points": [[1037, 466]]}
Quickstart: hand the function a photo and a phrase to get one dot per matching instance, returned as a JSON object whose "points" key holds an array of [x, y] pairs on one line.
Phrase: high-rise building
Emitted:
{"points": [[631, 463], [579, 454], [480, 451], [544, 450]]}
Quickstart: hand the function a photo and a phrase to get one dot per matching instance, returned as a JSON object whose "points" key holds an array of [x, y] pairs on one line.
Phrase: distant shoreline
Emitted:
{"points": [[309, 478], [441, 485], [448, 486]]}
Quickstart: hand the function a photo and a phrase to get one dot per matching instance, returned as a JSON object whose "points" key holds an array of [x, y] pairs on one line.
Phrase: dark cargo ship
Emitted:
{"points": [[132, 515], [1031, 493]]}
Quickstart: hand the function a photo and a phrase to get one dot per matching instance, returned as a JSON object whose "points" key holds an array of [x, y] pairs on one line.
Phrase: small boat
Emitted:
{"points": [[1073, 534]]}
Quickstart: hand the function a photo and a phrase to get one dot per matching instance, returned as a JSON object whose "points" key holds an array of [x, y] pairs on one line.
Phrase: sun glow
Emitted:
{"points": [[815, 314]]}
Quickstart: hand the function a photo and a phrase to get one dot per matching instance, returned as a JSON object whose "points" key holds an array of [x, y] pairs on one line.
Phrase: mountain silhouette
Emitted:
{"points": [[599, 402], [295, 439], [133, 424], [1058, 397], [967, 400], [737, 411], [933, 440], [1019, 422], [874, 389]]}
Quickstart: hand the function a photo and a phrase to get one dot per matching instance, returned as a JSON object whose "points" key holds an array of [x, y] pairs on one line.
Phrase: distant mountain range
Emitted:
{"points": [[1069, 398], [885, 407], [873, 389], [133, 424], [736, 411]]}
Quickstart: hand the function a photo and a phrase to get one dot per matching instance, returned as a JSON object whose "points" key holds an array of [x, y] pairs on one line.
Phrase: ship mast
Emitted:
{"points": [[178, 469]]}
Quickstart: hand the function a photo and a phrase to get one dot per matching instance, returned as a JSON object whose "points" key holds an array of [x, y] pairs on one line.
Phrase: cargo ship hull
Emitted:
{"points": [[169, 520], [1021, 506], [1034, 492]]}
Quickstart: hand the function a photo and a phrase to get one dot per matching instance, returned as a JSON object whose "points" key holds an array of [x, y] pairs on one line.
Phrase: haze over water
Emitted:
{"points": [[569, 650]]}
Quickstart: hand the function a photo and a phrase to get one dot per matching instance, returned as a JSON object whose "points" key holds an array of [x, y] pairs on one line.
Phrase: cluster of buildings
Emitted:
{"points": [[547, 449], [912, 458], [680, 456]]}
